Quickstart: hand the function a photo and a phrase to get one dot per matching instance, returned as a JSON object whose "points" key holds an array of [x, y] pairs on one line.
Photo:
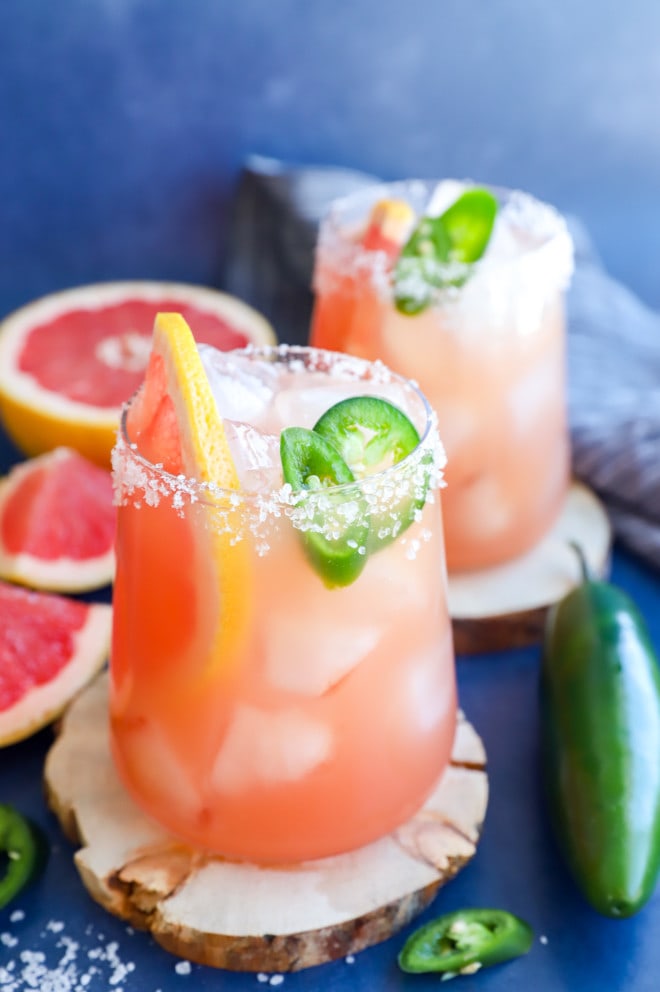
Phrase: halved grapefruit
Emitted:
{"points": [[70, 360], [57, 523], [50, 647]]}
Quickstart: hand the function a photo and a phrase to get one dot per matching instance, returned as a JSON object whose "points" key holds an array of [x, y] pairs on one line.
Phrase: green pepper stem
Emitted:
{"points": [[587, 575]]}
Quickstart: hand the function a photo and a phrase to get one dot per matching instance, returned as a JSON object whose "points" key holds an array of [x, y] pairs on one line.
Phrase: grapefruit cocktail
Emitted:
{"points": [[461, 289], [282, 676]]}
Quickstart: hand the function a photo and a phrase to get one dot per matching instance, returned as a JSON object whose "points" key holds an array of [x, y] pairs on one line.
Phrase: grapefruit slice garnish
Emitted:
{"points": [[57, 523], [174, 422], [390, 223], [50, 647], [70, 360]]}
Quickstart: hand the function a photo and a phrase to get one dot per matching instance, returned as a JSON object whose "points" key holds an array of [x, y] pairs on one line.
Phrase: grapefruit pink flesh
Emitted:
{"points": [[175, 418], [57, 523], [68, 361], [50, 646], [99, 356]]}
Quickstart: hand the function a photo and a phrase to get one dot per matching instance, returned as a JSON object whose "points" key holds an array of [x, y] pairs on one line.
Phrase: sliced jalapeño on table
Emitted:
{"points": [[464, 941], [20, 851]]}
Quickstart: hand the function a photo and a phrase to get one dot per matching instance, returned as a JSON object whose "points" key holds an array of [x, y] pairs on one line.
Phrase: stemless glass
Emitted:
{"points": [[301, 720], [489, 354]]}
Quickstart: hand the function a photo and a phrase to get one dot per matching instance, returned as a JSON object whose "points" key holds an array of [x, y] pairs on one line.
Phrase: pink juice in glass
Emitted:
{"points": [[330, 714], [488, 350]]}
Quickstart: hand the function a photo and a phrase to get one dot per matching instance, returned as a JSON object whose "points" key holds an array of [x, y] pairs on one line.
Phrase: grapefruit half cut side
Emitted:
{"points": [[57, 523], [50, 647], [69, 361]]}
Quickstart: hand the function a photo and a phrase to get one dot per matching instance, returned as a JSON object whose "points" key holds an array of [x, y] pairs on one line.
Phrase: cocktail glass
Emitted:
{"points": [[322, 715], [488, 352]]}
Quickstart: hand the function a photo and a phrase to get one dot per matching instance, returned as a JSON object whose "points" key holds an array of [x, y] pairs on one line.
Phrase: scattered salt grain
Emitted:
{"points": [[261, 977], [62, 968], [17, 916], [543, 939], [276, 979], [350, 959], [183, 967]]}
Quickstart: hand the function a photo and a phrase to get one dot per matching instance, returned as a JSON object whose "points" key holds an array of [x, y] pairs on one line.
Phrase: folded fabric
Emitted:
{"points": [[613, 339], [614, 399]]}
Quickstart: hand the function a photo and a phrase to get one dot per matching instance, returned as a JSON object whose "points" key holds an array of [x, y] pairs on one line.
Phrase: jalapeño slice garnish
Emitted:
{"points": [[335, 539], [439, 246], [372, 434], [464, 941], [368, 432]]}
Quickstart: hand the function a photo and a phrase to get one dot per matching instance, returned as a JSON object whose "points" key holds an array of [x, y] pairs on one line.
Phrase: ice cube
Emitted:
{"points": [[154, 765], [300, 661], [256, 457], [243, 389], [264, 747], [303, 407], [445, 193], [504, 244], [533, 395], [484, 508], [426, 689], [395, 587], [393, 392], [458, 425]]}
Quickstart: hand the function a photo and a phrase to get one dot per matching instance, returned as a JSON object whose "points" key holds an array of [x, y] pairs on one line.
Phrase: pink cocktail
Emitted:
{"points": [[487, 347], [325, 714]]}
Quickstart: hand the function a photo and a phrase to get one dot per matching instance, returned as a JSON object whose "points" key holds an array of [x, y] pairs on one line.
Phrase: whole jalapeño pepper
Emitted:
{"points": [[600, 743], [20, 846], [464, 941]]}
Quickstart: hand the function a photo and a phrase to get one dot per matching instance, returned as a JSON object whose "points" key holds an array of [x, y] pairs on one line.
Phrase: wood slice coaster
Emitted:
{"points": [[505, 607], [241, 916]]}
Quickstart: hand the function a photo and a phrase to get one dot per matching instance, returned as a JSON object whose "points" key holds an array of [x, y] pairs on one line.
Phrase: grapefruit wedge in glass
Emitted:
{"points": [[68, 361], [181, 571]]}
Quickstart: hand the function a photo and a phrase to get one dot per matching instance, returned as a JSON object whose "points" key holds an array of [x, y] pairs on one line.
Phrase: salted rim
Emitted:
{"points": [[337, 254], [183, 488]]}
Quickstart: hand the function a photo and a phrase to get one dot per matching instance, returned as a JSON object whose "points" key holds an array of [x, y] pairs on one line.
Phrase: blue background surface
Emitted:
{"points": [[125, 123]]}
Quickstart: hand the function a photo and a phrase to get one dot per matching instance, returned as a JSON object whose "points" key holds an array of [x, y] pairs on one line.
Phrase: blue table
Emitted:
{"points": [[55, 931]]}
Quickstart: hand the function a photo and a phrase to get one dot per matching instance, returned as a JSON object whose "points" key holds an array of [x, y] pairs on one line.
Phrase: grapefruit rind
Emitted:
{"points": [[37, 419], [205, 450], [390, 224], [207, 459], [63, 574], [43, 704]]}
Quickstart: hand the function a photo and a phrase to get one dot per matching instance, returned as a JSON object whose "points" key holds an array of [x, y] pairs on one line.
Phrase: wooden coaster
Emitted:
{"points": [[505, 607], [240, 916]]}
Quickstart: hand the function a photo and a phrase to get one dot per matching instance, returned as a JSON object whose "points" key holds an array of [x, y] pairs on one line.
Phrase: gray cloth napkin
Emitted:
{"points": [[613, 339]]}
